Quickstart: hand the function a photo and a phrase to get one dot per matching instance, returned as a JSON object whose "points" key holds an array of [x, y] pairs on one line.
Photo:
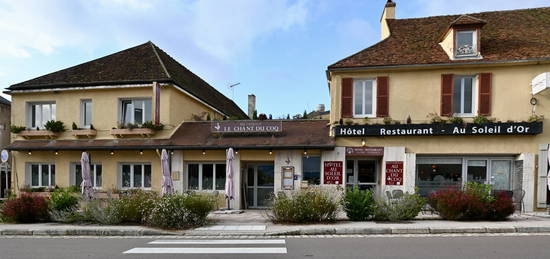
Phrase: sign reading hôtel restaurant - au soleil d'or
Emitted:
{"points": [[504, 128]]}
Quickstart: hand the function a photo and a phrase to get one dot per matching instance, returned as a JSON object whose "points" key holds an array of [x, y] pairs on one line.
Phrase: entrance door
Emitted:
{"points": [[5, 180], [260, 184], [361, 173]]}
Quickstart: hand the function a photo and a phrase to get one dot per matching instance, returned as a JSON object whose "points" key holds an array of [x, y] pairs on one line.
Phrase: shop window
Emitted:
{"points": [[135, 175], [364, 98], [41, 175], [135, 111], [466, 43], [311, 169], [206, 176], [438, 174], [86, 113], [361, 174], [464, 96], [477, 171], [96, 172], [40, 113]]}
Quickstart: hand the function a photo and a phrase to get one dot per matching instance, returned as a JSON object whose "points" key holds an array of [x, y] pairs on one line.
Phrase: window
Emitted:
{"points": [[361, 174], [433, 174], [364, 98], [311, 169], [466, 43], [136, 175], [206, 176], [96, 171], [464, 95], [135, 111], [42, 175], [86, 113], [39, 114]]}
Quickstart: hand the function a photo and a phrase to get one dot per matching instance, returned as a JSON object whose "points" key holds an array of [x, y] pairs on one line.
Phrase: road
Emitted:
{"points": [[410, 247]]}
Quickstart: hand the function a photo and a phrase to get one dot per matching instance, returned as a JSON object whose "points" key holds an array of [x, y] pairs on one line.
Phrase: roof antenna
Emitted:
{"points": [[232, 88]]}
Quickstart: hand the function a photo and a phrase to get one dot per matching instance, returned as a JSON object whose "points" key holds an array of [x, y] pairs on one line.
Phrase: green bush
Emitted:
{"points": [[104, 211], [17, 129], [456, 120], [155, 127], [63, 200], [406, 208], [303, 206], [359, 205], [480, 119], [55, 126], [181, 211], [136, 204]]}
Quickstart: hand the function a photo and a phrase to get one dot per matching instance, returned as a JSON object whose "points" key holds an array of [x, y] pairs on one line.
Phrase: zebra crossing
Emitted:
{"points": [[212, 246]]}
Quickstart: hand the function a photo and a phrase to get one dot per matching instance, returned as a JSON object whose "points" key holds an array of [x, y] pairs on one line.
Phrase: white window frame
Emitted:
{"points": [[201, 164], [132, 175], [40, 125], [374, 90], [474, 96], [29, 168], [474, 43], [132, 115], [83, 113], [93, 171]]}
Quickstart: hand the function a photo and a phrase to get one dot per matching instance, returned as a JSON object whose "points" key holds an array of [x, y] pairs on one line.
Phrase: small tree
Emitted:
{"points": [[255, 115], [288, 116], [305, 115]]}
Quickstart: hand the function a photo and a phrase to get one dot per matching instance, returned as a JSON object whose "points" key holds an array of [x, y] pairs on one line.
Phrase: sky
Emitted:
{"points": [[276, 49]]}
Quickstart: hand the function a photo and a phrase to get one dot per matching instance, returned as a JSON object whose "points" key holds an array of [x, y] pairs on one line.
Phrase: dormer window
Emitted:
{"points": [[466, 43]]}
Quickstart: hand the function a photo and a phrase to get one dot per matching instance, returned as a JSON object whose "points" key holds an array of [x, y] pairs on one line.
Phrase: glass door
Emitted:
{"points": [[501, 174], [260, 185], [361, 173]]}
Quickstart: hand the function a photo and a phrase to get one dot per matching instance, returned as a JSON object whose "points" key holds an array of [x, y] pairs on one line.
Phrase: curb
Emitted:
{"points": [[294, 232]]}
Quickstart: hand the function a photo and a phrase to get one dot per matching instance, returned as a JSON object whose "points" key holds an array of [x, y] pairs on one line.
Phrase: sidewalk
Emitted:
{"points": [[255, 223]]}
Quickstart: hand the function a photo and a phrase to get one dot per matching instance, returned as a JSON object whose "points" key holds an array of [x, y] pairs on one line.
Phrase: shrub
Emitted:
{"points": [[180, 211], [151, 125], [136, 204], [304, 206], [387, 120], [435, 118], [105, 211], [74, 126], [359, 205], [406, 208], [26, 209], [475, 202], [536, 118], [17, 129], [456, 120], [63, 200], [55, 126], [480, 119]]}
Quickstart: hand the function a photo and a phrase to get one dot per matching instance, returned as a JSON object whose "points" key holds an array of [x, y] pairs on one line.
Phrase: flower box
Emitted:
{"points": [[89, 133], [143, 132], [38, 134]]}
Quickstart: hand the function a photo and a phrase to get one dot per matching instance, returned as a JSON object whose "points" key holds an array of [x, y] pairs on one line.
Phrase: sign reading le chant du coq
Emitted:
{"points": [[250, 127], [504, 128]]}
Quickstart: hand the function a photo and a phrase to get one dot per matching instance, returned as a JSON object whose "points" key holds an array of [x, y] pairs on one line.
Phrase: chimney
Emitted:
{"points": [[388, 13], [251, 105], [320, 107]]}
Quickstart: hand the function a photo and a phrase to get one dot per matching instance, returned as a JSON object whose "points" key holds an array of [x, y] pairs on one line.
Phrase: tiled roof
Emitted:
{"points": [[144, 63], [296, 134], [4, 101], [507, 35]]}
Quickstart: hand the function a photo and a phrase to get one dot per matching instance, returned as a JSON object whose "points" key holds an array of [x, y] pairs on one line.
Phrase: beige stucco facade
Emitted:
{"points": [[416, 92]]}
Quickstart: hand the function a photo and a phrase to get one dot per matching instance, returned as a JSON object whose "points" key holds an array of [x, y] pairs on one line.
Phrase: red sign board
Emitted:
{"points": [[333, 172], [394, 172], [364, 151]]}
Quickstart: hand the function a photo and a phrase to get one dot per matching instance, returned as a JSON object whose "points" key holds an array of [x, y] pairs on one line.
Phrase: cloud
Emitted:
{"points": [[444, 7], [222, 29]]}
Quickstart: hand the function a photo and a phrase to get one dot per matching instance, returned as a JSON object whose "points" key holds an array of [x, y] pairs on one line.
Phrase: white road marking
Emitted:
{"points": [[218, 242], [207, 250]]}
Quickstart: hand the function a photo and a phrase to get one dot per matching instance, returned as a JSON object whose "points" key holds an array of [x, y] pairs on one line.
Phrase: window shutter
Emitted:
{"points": [[347, 97], [382, 96], [447, 95], [485, 89]]}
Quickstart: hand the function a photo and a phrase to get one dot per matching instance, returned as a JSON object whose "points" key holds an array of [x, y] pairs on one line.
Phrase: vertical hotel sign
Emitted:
{"points": [[394, 172], [332, 172]]}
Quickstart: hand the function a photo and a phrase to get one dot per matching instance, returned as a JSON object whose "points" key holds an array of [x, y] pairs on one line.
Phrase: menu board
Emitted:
{"points": [[288, 177]]}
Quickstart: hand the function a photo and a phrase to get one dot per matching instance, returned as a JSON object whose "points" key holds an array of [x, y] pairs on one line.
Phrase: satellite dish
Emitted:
{"points": [[540, 83]]}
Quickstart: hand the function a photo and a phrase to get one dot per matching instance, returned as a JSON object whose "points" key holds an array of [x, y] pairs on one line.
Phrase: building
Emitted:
{"points": [[388, 101], [5, 174]]}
